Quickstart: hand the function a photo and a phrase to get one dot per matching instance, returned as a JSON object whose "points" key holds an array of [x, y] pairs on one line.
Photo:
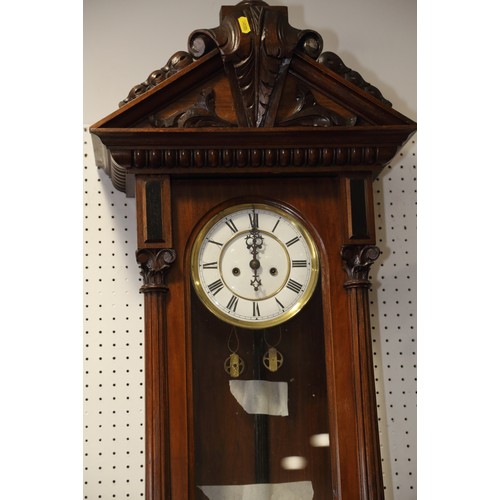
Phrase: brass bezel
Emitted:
{"points": [[294, 219]]}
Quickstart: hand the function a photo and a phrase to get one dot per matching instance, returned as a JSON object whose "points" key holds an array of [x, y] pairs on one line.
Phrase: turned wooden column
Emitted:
{"points": [[155, 264], [357, 260]]}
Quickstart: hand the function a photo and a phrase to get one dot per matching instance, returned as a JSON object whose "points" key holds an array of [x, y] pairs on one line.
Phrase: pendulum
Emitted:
{"points": [[234, 364], [272, 359]]}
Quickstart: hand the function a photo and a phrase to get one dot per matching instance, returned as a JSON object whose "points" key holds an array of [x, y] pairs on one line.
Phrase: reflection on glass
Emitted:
{"points": [[320, 440], [293, 463], [265, 432]]}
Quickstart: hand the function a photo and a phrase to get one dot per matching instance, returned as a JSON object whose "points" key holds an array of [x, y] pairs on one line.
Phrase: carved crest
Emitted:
{"points": [[256, 43]]}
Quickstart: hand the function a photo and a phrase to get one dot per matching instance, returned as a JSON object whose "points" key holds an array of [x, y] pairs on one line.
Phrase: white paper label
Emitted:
{"points": [[261, 397], [300, 490]]}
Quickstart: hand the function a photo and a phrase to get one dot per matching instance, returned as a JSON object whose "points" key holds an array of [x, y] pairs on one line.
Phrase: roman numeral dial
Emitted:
{"points": [[254, 265]]}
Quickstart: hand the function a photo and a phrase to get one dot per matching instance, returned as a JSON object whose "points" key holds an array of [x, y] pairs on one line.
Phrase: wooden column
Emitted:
{"points": [[357, 260], [155, 264]]}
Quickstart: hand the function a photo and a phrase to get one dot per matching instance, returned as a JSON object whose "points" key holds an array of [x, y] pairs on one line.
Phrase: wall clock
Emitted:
{"points": [[252, 158]]}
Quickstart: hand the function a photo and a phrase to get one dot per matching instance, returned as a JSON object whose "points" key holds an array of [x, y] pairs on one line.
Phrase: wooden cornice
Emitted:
{"points": [[219, 151]]}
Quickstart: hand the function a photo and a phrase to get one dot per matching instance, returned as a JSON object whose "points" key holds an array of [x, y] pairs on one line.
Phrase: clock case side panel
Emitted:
{"points": [[166, 415]]}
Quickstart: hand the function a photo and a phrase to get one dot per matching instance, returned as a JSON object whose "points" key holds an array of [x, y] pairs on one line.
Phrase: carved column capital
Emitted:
{"points": [[357, 261], [155, 264]]}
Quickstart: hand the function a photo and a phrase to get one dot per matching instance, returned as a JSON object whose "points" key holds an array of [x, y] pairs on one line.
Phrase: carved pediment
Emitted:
{"points": [[253, 72], [256, 45]]}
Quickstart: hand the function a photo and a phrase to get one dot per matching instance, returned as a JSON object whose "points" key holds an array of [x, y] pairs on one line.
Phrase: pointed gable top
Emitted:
{"points": [[251, 87]]}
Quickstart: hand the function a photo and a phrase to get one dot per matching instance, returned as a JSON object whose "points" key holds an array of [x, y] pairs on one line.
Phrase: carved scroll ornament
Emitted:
{"points": [[200, 114], [308, 112]]}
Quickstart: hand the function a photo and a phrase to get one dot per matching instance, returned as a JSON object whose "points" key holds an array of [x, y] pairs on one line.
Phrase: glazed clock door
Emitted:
{"points": [[260, 405]]}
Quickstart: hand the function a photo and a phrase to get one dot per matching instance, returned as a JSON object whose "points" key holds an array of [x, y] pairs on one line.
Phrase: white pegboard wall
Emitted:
{"points": [[113, 341], [393, 319], [113, 333]]}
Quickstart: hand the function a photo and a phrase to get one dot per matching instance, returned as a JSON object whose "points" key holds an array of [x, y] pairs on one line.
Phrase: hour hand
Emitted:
{"points": [[254, 242], [255, 266], [255, 282]]}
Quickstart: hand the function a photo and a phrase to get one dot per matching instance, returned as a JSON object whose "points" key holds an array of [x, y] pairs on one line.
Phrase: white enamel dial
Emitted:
{"points": [[254, 265]]}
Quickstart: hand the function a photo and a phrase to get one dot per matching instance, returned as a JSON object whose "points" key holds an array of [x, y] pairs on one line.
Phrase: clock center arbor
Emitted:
{"points": [[251, 157]]}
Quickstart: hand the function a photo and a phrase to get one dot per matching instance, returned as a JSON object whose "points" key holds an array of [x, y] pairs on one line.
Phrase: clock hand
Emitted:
{"points": [[256, 282], [254, 242]]}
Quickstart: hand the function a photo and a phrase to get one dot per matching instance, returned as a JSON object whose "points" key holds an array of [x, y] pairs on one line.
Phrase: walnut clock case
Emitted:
{"points": [[252, 157]]}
